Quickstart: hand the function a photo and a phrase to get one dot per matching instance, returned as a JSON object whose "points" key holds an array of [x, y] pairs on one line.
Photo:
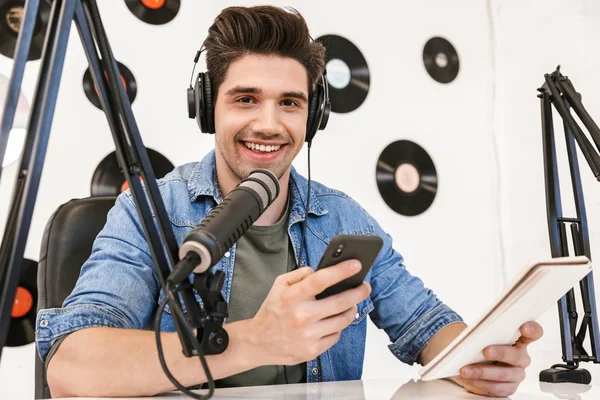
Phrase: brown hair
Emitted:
{"points": [[267, 30]]}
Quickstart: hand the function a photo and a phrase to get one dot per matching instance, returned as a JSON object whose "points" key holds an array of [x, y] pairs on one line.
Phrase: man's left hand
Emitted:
{"points": [[502, 378]]}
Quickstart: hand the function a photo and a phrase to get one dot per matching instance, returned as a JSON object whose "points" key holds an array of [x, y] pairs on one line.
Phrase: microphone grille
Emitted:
{"points": [[264, 183]]}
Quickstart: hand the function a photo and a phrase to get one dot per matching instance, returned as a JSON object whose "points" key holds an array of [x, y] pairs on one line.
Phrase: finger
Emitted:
{"points": [[338, 303], [326, 277], [284, 281], [530, 332], [336, 323], [293, 277], [326, 342], [516, 356], [490, 388], [497, 373]]}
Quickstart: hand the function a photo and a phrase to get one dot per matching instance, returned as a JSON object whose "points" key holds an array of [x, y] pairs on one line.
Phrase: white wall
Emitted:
{"points": [[532, 41], [482, 131]]}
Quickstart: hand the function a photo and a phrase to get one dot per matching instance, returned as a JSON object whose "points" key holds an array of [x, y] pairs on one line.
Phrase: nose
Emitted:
{"points": [[267, 120]]}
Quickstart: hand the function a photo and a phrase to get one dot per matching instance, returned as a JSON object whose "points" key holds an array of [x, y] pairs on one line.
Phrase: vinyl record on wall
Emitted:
{"points": [[109, 180], [347, 73], [155, 12], [11, 16], [22, 323], [406, 178], [441, 60], [91, 92]]}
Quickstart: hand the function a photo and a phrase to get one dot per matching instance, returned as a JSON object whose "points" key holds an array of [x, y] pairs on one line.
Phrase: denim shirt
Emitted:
{"points": [[119, 286]]}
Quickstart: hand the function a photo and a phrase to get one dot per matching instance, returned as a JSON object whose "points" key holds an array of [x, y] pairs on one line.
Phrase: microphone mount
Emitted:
{"points": [[558, 91]]}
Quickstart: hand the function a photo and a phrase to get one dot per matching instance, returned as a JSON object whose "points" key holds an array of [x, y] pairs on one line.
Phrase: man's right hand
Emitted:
{"points": [[292, 326]]}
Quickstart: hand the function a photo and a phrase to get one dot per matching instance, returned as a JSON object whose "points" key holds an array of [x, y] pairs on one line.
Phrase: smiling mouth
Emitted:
{"points": [[261, 148]]}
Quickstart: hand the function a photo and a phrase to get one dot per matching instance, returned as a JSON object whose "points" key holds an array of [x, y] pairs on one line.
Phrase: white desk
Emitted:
{"points": [[387, 389], [404, 387]]}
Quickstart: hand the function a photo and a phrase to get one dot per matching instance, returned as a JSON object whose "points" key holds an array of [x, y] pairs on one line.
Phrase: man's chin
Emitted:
{"points": [[275, 170], [242, 167]]}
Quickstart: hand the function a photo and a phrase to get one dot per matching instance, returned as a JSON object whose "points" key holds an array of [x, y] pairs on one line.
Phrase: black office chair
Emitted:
{"points": [[66, 245]]}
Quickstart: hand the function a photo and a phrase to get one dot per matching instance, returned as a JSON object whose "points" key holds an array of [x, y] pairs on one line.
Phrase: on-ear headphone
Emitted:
{"points": [[201, 106]]}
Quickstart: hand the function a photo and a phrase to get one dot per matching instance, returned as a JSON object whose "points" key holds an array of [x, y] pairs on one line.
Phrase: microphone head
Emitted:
{"points": [[263, 183]]}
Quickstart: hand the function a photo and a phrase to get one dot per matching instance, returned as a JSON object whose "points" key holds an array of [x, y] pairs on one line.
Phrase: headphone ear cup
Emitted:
{"points": [[208, 105], [313, 107], [199, 96], [191, 101], [326, 112]]}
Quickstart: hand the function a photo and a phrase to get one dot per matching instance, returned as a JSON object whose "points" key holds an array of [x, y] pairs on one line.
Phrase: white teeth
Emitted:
{"points": [[262, 147]]}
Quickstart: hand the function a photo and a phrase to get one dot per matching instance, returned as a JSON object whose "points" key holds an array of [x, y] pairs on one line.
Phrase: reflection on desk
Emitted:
{"points": [[390, 389]]}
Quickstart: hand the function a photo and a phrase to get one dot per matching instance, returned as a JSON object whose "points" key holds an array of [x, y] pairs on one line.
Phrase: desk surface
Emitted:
{"points": [[392, 389]]}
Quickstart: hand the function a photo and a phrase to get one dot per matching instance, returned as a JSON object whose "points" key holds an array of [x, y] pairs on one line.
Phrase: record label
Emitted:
{"points": [[441, 60], [91, 91], [154, 12], [406, 178], [22, 324], [109, 180], [347, 73], [11, 18]]}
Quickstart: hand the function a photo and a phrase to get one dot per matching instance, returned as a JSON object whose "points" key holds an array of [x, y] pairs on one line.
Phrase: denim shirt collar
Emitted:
{"points": [[203, 182]]}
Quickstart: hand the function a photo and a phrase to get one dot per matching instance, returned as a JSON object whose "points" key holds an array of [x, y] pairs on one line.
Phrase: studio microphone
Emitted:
{"points": [[227, 222]]}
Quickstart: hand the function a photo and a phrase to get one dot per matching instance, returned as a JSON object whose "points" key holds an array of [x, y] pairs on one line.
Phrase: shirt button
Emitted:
{"points": [[44, 323], [227, 254], [315, 371], [357, 316]]}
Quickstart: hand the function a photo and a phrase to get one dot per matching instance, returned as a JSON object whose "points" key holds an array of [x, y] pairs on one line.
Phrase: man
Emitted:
{"points": [[263, 67]]}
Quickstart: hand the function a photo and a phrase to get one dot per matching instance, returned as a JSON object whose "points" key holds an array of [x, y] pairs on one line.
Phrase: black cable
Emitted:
{"points": [[306, 209], [102, 42], [567, 366], [179, 314], [303, 230]]}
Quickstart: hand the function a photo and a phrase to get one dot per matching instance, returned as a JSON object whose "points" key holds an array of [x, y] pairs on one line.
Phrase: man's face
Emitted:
{"points": [[261, 113]]}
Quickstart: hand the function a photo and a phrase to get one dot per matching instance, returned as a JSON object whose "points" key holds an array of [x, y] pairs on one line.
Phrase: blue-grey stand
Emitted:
{"points": [[130, 151], [558, 91]]}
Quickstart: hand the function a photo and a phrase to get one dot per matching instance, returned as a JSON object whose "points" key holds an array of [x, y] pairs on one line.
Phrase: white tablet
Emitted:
{"points": [[535, 289]]}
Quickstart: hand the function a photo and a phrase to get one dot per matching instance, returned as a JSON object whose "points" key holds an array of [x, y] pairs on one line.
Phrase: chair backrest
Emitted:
{"points": [[66, 245]]}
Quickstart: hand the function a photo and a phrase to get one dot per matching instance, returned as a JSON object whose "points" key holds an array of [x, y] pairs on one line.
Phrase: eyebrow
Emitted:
{"points": [[296, 95], [253, 90]]}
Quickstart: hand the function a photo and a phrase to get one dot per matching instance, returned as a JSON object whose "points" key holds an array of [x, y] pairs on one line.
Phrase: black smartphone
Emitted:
{"points": [[364, 248]]}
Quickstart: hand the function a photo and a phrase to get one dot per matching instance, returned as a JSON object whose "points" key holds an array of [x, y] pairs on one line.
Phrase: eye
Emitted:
{"points": [[245, 100], [289, 103]]}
